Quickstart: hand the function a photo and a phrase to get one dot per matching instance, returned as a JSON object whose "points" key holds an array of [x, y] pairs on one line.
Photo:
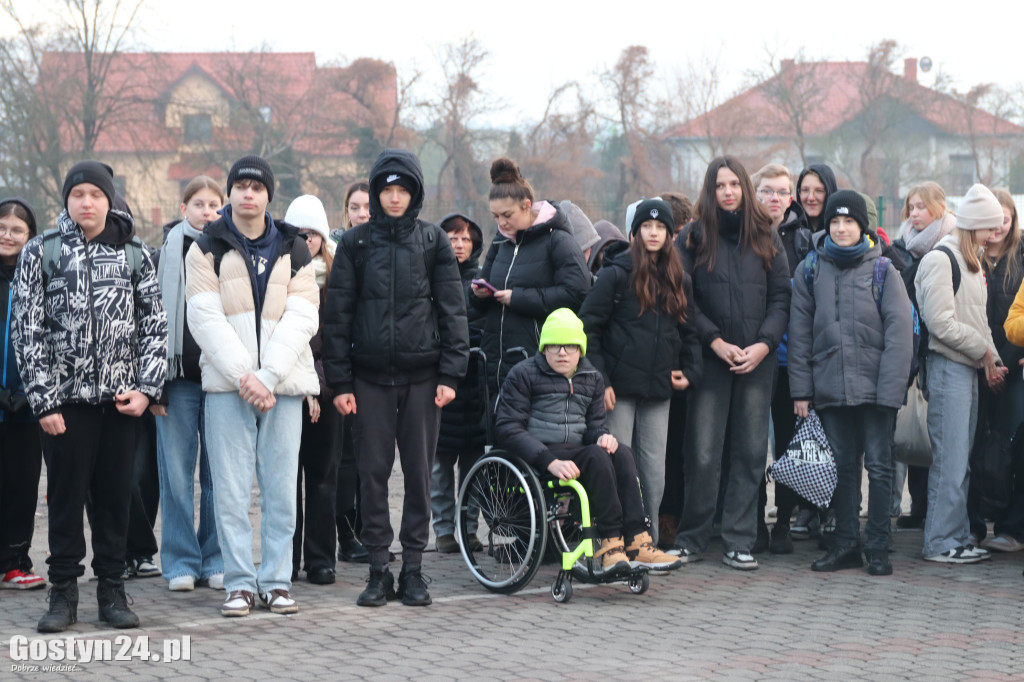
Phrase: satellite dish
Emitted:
{"points": [[926, 64]]}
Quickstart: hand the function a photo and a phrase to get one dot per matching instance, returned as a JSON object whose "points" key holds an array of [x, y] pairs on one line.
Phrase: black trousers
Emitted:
{"points": [[672, 500], [387, 415], [346, 499], [315, 536], [93, 459], [612, 486], [145, 492], [20, 464]]}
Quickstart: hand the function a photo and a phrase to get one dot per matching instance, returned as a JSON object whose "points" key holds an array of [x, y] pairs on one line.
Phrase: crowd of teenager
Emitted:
{"points": [[663, 365]]}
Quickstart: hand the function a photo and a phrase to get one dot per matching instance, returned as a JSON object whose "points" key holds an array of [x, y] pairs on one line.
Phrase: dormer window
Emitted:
{"points": [[198, 128]]}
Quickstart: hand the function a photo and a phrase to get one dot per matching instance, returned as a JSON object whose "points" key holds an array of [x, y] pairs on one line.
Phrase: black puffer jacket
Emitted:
{"points": [[539, 407], [739, 301], [387, 320], [462, 420], [545, 270], [636, 353], [795, 235], [1000, 298]]}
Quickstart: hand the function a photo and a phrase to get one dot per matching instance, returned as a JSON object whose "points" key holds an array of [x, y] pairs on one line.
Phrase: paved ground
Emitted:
{"points": [[706, 621]]}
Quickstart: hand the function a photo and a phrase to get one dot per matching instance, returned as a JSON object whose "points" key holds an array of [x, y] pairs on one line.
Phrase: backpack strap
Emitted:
{"points": [[52, 242], [810, 269], [878, 280], [955, 266], [133, 254], [362, 252]]}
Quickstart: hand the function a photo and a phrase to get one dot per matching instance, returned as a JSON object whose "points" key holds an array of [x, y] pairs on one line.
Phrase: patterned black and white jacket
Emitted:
{"points": [[88, 333]]}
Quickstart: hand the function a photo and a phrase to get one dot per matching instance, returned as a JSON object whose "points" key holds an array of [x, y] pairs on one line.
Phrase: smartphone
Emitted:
{"points": [[485, 284]]}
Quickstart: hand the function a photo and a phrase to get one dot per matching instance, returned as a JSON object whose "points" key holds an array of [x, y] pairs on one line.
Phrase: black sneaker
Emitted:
{"points": [[320, 576], [839, 559], [780, 542], [380, 587], [412, 586], [910, 522]]}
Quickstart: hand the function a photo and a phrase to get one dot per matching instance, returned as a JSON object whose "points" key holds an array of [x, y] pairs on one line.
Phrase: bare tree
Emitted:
{"points": [[794, 90], [460, 101], [57, 106]]}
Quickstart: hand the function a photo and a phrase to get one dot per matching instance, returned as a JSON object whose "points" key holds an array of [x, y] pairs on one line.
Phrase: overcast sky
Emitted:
{"points": [[536, 46]]}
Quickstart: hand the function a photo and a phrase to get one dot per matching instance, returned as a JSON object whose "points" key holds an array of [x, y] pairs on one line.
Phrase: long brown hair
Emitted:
{"points": [[932, 196], [657, 277], [1010, 248], [968, 249], [755, 223], [361, 186]]}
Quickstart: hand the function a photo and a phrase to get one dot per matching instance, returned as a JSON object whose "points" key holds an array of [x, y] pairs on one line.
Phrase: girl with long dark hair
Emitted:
{"points": [[741, 290]]}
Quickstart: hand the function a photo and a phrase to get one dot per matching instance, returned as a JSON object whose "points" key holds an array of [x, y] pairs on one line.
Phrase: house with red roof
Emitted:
{"points": [[162, 118], [881, 132]]}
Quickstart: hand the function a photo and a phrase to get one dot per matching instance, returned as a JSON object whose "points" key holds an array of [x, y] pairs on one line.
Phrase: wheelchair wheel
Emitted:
{"points": [[561, 591], [512, 528], [639, 585], [564, 520]]}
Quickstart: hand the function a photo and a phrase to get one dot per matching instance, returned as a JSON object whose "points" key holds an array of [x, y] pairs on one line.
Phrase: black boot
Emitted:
{"points": [[761, 543], [838, 559], [380, 587], [63, 611], [114, 604], [350, 549], [412, 586], [878, 562]]}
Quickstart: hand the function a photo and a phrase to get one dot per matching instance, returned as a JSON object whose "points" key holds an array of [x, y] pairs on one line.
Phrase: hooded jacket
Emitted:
{"points": [[843, 352], [1000, 298], [739, 301], [795, 235], [388, 321], [90, 333], [239, 332], [462, 426], [539, 407], [544, 268], [828, 178], [608, 234], [636, 353], [957, 323]]}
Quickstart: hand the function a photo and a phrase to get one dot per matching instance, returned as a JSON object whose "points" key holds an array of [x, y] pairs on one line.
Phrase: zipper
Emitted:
{"points": [[501, 325], [568, 397], [95, 323], [391, 307], [837, 296]]}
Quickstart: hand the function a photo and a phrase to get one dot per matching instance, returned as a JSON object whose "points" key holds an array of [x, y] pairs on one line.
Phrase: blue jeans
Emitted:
{"points": [[241, 441], [851, 431], [642, 425], [738, 405], [952, 416], [184, 550]]}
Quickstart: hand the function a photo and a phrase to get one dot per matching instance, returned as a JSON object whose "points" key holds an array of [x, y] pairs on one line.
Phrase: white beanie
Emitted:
{"points": [[307, 213], [979, 210]]}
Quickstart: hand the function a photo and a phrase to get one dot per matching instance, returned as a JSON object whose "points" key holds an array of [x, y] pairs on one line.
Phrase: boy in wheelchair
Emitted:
{"points": [[551, 414]]}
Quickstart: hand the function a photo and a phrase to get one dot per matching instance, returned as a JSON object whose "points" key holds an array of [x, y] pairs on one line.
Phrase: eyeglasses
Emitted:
{"points": [[766, 194], [13, 231], [308, 236], [556, 348], [816, 193]]}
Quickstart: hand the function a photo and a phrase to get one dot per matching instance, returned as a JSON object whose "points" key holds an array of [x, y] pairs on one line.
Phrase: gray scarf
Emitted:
{"points": [[171, 275], [920, 243]]}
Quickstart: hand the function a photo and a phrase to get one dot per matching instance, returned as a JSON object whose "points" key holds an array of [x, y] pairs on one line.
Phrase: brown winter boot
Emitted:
{"points": [[642, 552], [613, 559]]}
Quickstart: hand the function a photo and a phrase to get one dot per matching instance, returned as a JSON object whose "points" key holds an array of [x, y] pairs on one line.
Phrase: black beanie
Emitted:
{"points": [[652, 209], [400, 179], [95, 172], [252, 167], [849, 203]]}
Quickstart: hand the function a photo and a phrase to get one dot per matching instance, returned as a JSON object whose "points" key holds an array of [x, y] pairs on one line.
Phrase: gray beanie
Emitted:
{"points": [[979, 210], [582, 228]]}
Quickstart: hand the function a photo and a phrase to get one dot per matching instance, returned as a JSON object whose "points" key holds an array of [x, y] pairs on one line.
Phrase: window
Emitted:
{"points": [[961, 173], [198, 128]]}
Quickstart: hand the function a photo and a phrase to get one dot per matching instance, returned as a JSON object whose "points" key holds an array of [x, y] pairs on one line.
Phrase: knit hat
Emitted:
{"points": [[979, 210], [31, 222], [307, 213], [252, 167], [582, 228], [846, 202], [94, 172], [563, 327], [400, 179], [653, 209]]}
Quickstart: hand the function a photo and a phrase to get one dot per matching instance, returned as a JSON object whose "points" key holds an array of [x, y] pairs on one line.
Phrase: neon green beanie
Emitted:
{"points": [[563, 327]]}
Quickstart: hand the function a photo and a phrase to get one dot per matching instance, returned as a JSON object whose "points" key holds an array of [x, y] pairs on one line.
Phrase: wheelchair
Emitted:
{"points": [[520, 516]]}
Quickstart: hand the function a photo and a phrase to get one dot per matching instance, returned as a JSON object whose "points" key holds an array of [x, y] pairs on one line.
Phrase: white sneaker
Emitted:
{"points": [[743, 561], [216, 581], [983, 553], [685, 554], [957, 555], [183, 583]]}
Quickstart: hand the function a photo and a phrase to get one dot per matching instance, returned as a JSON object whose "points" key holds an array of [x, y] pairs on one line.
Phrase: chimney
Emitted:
{"points": [[910, 70]]}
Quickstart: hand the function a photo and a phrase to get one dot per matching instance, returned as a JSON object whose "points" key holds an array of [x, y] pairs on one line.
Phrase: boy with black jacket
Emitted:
{"points": [[90, 334], [396, 345]]}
